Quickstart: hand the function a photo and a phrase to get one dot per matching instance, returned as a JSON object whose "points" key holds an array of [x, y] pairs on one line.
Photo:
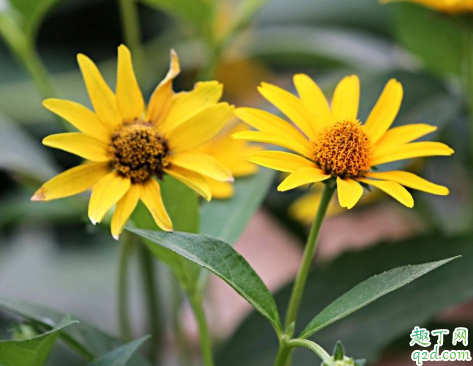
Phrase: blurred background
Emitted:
{"points": [[51, 254]]}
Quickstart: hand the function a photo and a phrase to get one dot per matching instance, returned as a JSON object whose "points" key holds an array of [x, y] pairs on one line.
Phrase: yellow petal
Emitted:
{"points": [[124, 209], [187, 104], [151, 197], [193, 180], [410, 180], [108, 191], [346, 99], [302, 177], [276, 139], [203, 164], [395, 190], [269, 123], [401, 135], [79, 144], [385, 111], [349, 192], [102, 98], [412, 150], [314, 99], [73, 181], [163, 95], [199, 129], [279, 160], [129, 97], [220, 190], [291, 106], [80, 117]]}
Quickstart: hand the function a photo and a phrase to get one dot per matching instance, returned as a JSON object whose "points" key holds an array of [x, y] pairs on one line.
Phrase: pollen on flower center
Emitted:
{"points": [[343, 149], [137, 151]]}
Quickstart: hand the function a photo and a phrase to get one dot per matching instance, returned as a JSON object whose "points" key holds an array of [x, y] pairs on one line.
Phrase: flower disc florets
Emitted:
{"points": [[137, 151], [343, 149]]}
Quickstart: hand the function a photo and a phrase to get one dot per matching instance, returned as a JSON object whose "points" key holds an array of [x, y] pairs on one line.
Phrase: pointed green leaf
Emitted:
{"points": [[367, 292], [226, 219], [120, 356], [339, 351], [32, 351], [221, 259]]}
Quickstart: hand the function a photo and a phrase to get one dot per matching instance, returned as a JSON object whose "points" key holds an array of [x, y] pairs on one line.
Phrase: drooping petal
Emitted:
{"points": [[79, 144], [314, 100], [80, 117], [71, 182], [129, 97], [203, 164], [349, 192], [346, 99], [107, 192], [151, 197], [269, 123], [191, 179], [163, 95], [410, 180], [385, 111], [401, 135], [412, 150], [394, 189], [102, 98], [302, 177], [291, 106], [280, 160], [275, 139], [220, 190], [200, 128], [124, 209], [187, 104]]}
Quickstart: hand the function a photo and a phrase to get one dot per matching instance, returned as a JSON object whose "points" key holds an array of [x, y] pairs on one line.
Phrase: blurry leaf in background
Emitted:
{"points": [[32, 351], [221, 259], [21, 154], [120, 356], [367, 292], [87, 339], [433, 36], [370, 330], [226, 219]]}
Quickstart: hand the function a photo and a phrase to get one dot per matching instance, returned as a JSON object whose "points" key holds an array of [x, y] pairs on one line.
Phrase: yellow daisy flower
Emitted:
{"points": [[331, 142], [448, 6], [232, 154], [126, 146]]}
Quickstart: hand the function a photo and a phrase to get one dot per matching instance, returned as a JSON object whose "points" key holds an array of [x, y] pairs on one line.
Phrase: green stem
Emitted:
{"points": [[314, 347], [126, 247], [152, 305], [215, 51], [132, 33], [309, 252], [204, 334], [38, 71], [182, 341]]}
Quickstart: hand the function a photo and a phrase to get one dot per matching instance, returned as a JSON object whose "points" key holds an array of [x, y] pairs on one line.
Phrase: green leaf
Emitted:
{"points": [[197, 13], [32, 351], [416, 26], [396, 314], [84, 338], [182, 205], [120, 356], [367, 292], [226, 219], [221, 259], [338, 351]]}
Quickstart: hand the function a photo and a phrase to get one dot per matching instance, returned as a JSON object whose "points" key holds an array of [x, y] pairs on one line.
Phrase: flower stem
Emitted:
{"points": [[299, 285], [132, 33], [38, 71], [152, 305], [314, 347], [126, 247], [195, 299]]}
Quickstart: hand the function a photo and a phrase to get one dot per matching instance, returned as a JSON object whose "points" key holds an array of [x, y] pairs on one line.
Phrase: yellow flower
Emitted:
{"points": [[232, 154], [448, 6], [126, 145], [331, 142]]}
